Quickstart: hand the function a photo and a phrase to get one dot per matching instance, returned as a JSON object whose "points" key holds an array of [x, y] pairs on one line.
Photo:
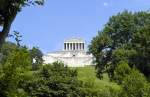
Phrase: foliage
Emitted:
{"points": [[101, 43], [121, 71], [20, 58], [36, 56], [106, 92], [125, 37], [135, 85], [13, 71], [6, 50], [54, 80], [141, 43], [17, 37]]}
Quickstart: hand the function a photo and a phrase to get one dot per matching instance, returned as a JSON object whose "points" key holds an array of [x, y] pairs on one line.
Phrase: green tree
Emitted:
{"points": [[54, 80], [126, 37], [141, 43], [100, 48]]}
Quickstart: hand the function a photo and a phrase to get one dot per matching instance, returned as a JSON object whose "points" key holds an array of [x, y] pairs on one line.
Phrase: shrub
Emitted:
{"points": [[54, 80], [121, 71], [135, 85]]}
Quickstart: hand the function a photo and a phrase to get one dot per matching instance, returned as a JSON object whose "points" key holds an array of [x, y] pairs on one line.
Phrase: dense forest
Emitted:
{"points": [[121, 50]]}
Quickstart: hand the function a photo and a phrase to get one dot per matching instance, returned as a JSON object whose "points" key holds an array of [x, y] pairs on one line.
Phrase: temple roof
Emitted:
{"points": [[78, 40]]}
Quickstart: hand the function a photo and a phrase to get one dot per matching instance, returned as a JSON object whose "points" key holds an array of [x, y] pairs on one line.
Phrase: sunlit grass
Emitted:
{"points": [[88, 74]]}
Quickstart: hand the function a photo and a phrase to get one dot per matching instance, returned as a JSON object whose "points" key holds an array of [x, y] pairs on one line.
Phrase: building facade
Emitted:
{"points": [[72, 55]]}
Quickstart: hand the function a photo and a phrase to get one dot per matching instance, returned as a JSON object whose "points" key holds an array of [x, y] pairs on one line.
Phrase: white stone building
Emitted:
{"points": [[72, 55]]}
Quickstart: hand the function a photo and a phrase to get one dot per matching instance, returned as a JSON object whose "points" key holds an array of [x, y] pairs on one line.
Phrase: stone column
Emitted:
{"points": [[67, 46], [83, 46], [74, 46], [71, 46], [80, 46], [77, 46]]}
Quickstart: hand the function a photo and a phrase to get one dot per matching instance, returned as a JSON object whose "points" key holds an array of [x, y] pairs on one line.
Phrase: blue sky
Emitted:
{"points": [[47, 26]]}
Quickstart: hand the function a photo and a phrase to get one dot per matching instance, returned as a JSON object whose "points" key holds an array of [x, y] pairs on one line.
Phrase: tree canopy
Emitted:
{"points": [[126, 37]]}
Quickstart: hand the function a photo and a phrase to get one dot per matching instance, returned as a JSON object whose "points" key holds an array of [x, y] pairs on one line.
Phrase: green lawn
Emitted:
{"points": [[88, 74]]}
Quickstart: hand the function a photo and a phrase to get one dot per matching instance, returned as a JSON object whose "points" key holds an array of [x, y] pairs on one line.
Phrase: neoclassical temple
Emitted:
{"points": [[73, 44], [73, 54]]}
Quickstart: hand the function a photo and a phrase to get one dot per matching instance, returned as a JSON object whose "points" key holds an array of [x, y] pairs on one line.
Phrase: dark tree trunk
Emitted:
{"points": [[6, 28]]}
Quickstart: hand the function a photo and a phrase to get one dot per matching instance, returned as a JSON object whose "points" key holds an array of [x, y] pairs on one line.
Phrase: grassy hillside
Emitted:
{"points": [[88, 75]]}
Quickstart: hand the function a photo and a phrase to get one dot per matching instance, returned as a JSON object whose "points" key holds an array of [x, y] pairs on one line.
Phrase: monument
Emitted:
{"points": [[72, 55]]}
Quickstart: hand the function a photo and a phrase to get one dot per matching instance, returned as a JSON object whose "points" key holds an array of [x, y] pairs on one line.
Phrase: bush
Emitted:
{"points": [[121, 71], [94, 92], [13, 71], [135, 85], [54, 80]]}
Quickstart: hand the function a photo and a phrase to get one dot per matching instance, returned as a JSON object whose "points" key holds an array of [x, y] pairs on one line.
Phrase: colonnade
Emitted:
{"points": [[73, 46]]}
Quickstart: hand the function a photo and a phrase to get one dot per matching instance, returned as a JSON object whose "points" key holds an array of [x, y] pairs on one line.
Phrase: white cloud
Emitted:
{"points": [[105, 4]]}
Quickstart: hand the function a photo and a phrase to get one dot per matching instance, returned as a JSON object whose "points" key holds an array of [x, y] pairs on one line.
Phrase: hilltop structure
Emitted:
{"points": [[72, 55]]}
